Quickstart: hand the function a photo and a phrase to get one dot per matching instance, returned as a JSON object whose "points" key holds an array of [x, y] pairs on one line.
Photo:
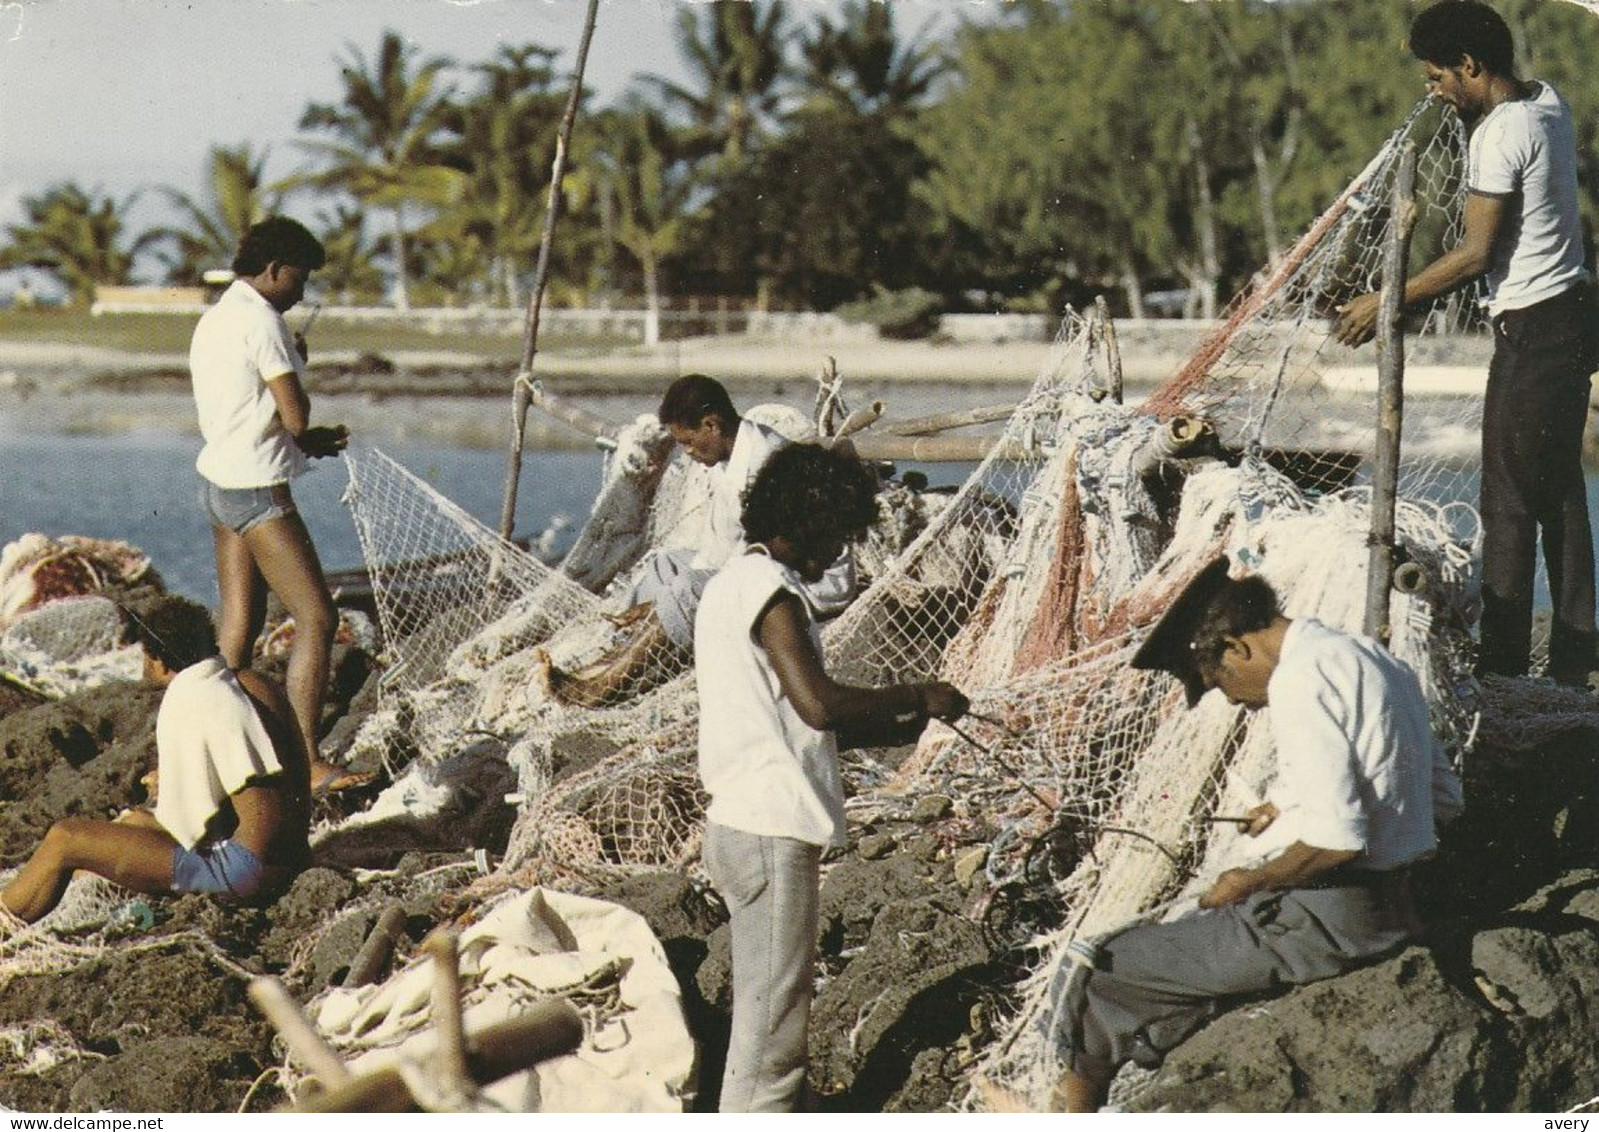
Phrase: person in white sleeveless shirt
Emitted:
{"points": [[771, 724], [248, 374], [1523, 231]]}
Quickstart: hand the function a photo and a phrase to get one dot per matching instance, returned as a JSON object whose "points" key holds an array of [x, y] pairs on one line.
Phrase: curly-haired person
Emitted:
{"points": [[771, 724]]}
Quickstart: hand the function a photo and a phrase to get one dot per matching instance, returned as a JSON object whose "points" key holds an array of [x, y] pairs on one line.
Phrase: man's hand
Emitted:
{"points": [[324, 440], [1356, 323], [1260, 818], [1231, 887], [943, 701]]}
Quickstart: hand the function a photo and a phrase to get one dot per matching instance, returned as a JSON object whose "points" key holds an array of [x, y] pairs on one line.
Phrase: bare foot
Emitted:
{"points": [[997, 1098], [629, 616], [329, 779]]}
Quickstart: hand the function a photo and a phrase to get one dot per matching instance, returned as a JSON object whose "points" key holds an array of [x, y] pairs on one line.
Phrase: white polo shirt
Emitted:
{"points": [[239, 345], [1525, 152], [767, 771], [1358, 767]]}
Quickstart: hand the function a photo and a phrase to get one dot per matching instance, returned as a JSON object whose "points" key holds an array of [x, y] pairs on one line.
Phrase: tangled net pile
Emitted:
{"points": [[1029, 587]]}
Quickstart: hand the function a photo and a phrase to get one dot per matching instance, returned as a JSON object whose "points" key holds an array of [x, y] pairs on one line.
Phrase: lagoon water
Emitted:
{"points": [[142, 487]]}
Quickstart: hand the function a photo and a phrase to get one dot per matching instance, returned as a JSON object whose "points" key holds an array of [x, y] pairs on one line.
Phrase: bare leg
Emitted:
{"points": [[611, 677], [133, 856], [244, 594], [281, 550], [1078, 1092]]}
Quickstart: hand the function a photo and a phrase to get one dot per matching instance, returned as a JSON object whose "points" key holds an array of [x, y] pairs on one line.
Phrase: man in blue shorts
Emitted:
{"points": [[233, 806]]}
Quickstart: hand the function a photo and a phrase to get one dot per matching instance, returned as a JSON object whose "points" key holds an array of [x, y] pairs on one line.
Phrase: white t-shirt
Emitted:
{"points": [[753, 445], [239, 345], [1358, 766], [210, 742], [766, 770], [1525, 152]]}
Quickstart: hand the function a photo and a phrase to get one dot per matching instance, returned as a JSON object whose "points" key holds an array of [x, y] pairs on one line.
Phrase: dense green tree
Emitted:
{"points": [[862, 63], [80, 234], [350, 274], [211, 226], [388, 132]]}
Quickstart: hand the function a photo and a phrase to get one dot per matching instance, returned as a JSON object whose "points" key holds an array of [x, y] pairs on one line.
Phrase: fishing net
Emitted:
{"points": [[1028, 586]]}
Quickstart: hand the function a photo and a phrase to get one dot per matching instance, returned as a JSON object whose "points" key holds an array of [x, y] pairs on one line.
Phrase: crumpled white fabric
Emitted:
{"points": [[637, 1059]]}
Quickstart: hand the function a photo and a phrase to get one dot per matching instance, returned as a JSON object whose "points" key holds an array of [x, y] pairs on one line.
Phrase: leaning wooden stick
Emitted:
{"points": [[542, 1031], [444, 947], [305, 1044]]}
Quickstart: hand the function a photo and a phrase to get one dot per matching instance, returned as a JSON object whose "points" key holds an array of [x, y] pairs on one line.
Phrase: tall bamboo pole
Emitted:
{"points": [[523, 390], [1390, 398]]}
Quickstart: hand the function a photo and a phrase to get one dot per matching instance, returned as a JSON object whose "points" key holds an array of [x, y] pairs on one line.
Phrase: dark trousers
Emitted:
{"points": [[1532, 424]]}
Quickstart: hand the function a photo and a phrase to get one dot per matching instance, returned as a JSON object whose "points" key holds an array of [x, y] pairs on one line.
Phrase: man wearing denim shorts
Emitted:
{"points": [[233, 809], [249, 381], [1523, 229]]}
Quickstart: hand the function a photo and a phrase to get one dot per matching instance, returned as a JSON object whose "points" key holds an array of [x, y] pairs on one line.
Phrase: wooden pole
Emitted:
{"points": [[942, 422], [1113, 350], [543, 1031], [305, 1045], [523, 390], [1390, 398], [454, 1077], [379, 946]]}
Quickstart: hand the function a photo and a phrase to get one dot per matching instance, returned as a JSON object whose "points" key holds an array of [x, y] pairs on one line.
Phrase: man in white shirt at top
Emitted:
{"points": [[1522, 228], [1360, 784], [659, 615], [248, 376]]}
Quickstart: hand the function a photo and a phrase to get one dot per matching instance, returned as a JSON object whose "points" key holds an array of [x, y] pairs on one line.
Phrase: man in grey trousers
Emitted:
{"points": [[1360, 783]]}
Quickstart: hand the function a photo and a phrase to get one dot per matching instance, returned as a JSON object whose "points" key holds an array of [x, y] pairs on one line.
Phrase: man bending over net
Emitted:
{"points": [[658, 621], [1361, 782], [234, 787], [1523, 231]]}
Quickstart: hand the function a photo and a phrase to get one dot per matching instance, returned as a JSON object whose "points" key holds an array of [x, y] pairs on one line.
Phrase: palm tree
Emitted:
{"points": [[236, 197], [651, 177], [388, 130], [349, 273], [76, 233], [505, 140], [736, 53], [861, 64]]}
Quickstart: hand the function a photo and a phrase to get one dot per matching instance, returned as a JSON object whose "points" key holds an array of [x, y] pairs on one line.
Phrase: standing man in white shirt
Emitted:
{"points": [[1523, 229], [1361, 783], [249, 375]]}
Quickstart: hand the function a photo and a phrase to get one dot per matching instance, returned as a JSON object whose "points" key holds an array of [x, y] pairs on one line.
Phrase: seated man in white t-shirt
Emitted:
{"points": [[659, 615], [1361, 783], [771, 724], [233, 807]]}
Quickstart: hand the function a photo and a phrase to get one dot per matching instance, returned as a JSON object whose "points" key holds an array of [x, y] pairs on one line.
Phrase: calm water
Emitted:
{"points": [[142, 488]]}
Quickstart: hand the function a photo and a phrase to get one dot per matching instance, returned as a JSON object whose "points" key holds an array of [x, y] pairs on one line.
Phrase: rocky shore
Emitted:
{"points": [[920, 959], [922, 954]]}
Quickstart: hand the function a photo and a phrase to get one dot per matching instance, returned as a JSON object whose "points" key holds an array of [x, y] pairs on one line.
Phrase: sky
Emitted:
{"points": [[124, 95]]}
